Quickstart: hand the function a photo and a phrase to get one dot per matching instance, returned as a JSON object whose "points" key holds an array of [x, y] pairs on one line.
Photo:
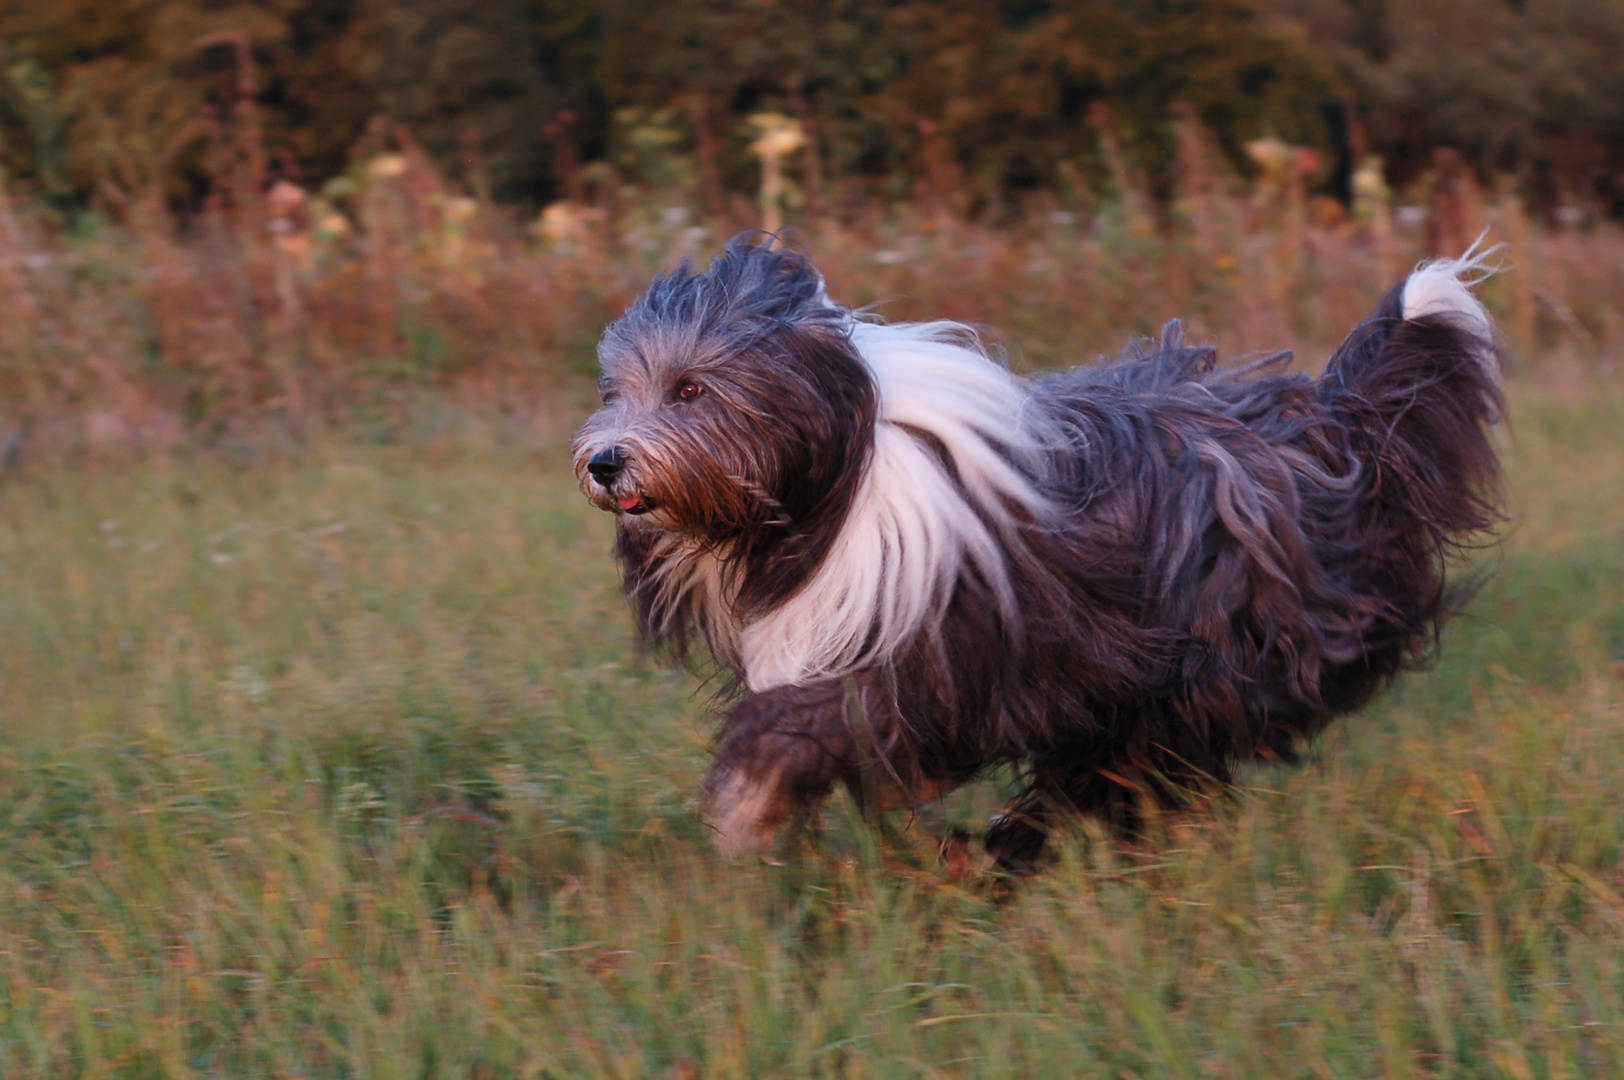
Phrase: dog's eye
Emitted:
{"points": [[689, 390]]}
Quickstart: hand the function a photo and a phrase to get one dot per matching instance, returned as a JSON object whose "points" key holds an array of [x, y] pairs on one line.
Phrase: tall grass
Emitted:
{"points": [[345, 765], [391, 303]]}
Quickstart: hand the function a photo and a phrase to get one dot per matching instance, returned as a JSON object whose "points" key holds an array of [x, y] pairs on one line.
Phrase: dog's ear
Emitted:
{"points": [[822, 436]]}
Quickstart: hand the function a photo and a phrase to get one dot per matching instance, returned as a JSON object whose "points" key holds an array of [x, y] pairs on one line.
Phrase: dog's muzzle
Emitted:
{"points": [[604, 467]]}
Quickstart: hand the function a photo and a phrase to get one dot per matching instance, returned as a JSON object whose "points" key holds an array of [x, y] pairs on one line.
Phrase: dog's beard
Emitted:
{"points": [[697, 483]]}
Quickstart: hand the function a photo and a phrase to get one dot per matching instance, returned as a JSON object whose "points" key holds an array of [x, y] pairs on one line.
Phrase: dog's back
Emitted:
{"points": [[1249, 554]]}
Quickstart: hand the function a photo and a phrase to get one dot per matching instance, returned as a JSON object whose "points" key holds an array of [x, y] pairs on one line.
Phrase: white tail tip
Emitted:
{"points": [[1444, 287]]}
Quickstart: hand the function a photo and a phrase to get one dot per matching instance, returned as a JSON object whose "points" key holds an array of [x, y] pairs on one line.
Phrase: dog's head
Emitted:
{"points": [[733, 401]]}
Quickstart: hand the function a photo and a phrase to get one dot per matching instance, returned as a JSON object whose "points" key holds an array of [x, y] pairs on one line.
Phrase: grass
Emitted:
{"points": [[345, 765]]}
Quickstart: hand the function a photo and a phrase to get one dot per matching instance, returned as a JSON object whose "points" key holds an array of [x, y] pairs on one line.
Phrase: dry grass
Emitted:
{"points": [[402, 308]]}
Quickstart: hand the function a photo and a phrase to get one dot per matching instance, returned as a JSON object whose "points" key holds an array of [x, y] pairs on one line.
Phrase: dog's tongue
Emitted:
{"points": [[630, 502]]}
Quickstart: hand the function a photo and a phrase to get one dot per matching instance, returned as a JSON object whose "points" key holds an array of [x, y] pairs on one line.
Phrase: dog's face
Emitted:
{"points": [[733, 400]]}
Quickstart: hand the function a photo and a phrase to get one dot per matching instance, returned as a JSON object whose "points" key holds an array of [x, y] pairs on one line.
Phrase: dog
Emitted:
{"points": [[912, 566]]}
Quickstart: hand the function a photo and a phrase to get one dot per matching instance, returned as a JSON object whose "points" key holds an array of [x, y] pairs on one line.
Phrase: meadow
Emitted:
{"points": [[326, 749], [344, 763]]}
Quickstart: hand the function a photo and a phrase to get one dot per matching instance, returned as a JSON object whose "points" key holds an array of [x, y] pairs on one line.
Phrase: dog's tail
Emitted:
{"points": [[1418, 386]]}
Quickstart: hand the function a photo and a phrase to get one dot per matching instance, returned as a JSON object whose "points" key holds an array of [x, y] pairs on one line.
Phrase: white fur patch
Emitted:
{"points": [[1444, 287], [911, 529]]}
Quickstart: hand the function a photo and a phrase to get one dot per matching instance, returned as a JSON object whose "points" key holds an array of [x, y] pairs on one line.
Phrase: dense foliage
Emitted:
{"points": [[1533, 88], [967, 99]]}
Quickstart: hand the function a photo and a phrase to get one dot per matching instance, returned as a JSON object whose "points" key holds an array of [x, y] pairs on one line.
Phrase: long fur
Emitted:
{"points": [[1124, 578], [954, 459]]}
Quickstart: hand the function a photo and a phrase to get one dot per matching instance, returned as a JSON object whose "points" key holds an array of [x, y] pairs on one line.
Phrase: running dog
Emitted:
{"points": [[1124, 579]]}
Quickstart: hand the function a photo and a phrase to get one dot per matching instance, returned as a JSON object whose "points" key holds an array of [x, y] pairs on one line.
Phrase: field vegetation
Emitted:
{"points": [[345, 764], [402, 308], [326, 750]]}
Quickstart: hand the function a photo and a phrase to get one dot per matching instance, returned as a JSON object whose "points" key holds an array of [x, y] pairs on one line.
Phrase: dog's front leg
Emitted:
{"points": [[779, 752]]}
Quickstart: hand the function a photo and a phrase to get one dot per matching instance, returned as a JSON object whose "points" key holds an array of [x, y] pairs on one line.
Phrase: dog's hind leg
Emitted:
{"points": [[1117, 793], [1016, 838]]}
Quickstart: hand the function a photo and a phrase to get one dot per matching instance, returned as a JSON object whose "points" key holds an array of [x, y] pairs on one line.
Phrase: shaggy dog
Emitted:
{"points": [[1123, 579]]}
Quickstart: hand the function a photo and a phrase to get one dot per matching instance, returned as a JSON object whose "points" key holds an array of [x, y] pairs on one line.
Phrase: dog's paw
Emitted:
{"points": [[747, 812]]}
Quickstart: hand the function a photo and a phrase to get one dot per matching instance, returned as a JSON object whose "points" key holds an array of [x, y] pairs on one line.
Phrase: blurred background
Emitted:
{"points": [[326, 748], [239, 219]]}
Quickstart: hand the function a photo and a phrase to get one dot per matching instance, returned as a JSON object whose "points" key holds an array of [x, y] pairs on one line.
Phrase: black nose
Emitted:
{"points": [[605, 464]]}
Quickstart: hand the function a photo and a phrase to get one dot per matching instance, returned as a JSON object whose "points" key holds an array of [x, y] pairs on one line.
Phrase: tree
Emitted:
{"points": [[1532, 87]]}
